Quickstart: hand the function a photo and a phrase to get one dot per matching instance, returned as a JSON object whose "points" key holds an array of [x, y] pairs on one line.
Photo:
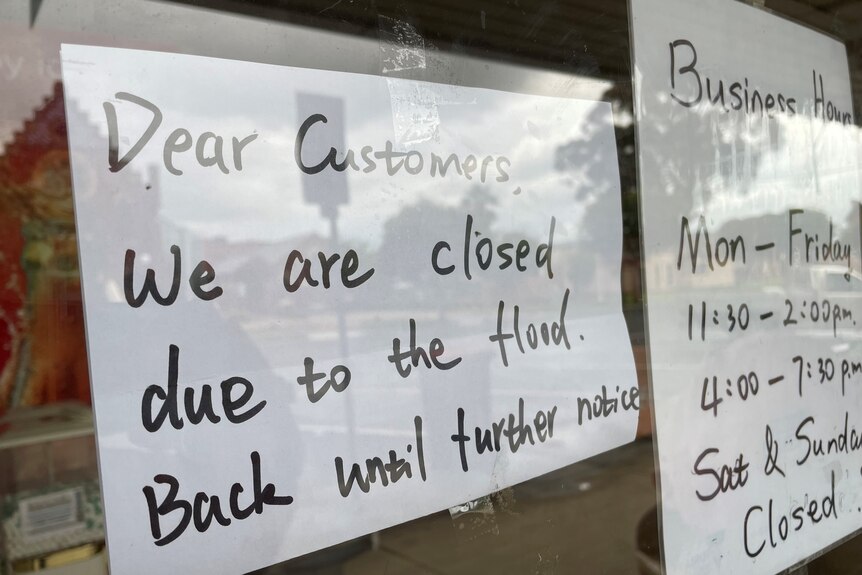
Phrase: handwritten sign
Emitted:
{"points": [[750, 202], [303, 329]]}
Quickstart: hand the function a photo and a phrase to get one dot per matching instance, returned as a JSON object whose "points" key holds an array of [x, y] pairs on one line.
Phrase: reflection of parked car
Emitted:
{"points": [[836, 280], [836, 306]]}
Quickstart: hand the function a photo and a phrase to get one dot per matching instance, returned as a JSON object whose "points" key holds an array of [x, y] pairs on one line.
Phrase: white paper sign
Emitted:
{"points": [[750, 213], [361, 330]]}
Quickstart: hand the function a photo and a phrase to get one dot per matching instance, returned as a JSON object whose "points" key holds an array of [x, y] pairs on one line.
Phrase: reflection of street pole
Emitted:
{"points": [[342, 326], [343, 347], [328, 189]]}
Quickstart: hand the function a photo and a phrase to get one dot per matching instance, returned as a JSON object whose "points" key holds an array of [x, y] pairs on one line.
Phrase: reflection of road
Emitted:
{"points": [[574, 516], [381, 396]]}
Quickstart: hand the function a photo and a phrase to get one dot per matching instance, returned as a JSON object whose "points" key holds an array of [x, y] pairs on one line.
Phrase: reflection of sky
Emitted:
{"points": [[264, 201], [801, 162]]}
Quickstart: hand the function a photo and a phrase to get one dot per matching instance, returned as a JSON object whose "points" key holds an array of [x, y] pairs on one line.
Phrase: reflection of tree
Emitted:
{"points": [[581, 157], [620, 96], [423, 224], [415, 224], [851, 231], [687, 185]]}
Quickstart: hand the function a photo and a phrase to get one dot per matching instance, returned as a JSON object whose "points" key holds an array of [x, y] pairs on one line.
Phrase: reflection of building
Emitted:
{"points": [[42, 350], [236, 272]]}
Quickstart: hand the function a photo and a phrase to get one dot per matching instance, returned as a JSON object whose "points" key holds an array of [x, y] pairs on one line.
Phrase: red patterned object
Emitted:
{"points": [[42, 350]]}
